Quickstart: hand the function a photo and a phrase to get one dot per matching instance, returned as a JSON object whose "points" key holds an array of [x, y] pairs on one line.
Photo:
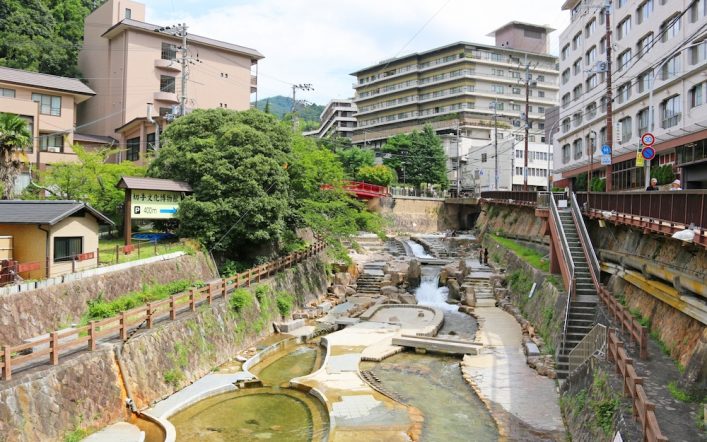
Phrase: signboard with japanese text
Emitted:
{"points": [[155, 204], [639, 159]]}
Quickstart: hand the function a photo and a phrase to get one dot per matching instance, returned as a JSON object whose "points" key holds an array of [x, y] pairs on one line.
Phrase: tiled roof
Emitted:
{"points": [[135, 24], [143, 183], [45, 81], [44, 211], [89, 138]]}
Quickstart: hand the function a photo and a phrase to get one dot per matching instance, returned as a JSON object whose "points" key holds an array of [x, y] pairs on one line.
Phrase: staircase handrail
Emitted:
{"points": [[593, 342], [584, 236]]}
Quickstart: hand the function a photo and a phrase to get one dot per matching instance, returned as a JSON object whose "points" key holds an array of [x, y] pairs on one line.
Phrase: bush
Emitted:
{"points": [[230, 268], [285, 302], [664, 174], [240, 299], [261, 292]]}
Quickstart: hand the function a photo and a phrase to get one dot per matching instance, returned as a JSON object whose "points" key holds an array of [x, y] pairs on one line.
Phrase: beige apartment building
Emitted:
{"points": [[48, 104], [130, 63], [338, 119], [460, 89], [657, 45]]}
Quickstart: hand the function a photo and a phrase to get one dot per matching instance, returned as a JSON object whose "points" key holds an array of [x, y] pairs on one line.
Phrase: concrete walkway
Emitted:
{"points": [[524, 404], [120, 432]]}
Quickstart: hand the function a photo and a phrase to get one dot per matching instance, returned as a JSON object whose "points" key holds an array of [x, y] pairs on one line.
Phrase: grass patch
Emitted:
{"points": [[528, 255], [555, 281], [606, 405], [285, 302], [240, 299], [99, 308], [645, 322], [107, 255], [680, 394], [173, 377]]}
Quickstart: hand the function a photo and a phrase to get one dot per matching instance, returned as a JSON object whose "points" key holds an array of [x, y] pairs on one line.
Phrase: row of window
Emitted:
{"points": [[532, 171], [132, 146], [532, 156]]}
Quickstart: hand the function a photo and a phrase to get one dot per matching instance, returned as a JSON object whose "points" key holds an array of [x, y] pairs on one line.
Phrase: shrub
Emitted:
{"points": [[261, 292], [240, 299], [285, 302]]}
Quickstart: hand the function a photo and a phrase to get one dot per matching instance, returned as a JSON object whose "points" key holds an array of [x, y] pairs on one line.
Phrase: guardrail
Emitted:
{"points": [[567, 264], [594, 342], [643, 409], [511, 197], [584, 238], [129, 321], [636, 331]]}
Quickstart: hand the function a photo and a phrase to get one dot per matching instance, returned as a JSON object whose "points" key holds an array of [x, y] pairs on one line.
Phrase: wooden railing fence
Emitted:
{"points": [[643, 409], [628, 323], [127, 322]]}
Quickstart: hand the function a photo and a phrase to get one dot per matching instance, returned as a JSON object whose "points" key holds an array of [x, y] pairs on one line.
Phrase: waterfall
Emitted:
{"points": [[418, 250], [430, 294]]}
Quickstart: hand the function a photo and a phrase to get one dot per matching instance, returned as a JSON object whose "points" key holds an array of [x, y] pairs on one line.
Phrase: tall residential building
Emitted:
{"points": [[337, 119], [48, 103], [657, 45], [454, 88], [130, 63]]}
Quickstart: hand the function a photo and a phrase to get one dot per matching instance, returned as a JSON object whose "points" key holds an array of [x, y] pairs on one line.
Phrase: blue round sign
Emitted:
{"points": [[606, 149], [648, 153]]}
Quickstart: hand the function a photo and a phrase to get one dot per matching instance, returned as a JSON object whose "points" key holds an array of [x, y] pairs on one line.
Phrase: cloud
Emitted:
{"points": [[321, 42]]}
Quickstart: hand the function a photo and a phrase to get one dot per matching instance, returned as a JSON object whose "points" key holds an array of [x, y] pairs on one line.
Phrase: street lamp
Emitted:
{"points": [[651, 118]]}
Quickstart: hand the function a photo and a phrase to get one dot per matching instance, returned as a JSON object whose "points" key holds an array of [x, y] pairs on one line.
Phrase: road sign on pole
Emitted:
{"points": [[648, 152], [606, 149], [606, 160], [647, 139]]}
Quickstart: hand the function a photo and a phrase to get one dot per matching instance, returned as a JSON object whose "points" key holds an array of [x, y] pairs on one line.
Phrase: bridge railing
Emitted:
{"points": [[528, 198], [683, 207]]}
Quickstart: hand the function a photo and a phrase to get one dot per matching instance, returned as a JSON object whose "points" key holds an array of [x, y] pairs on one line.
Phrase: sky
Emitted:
{"points": [[321, 42]]}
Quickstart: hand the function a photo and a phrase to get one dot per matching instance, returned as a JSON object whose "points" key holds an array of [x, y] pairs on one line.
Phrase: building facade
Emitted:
{"points": [[466, 90], [337, 119], [130, 63], [48, 104], [658, 46]]}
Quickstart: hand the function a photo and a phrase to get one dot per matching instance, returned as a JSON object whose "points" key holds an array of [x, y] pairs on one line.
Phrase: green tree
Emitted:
{"points": [[91, 179], [236, 164], [379, 174], [14, 137], [354, 158], [417, 157], [267, 106]]}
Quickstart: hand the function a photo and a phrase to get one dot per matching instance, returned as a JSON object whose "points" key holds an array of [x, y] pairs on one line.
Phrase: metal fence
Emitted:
{"points": [[594, 343]]}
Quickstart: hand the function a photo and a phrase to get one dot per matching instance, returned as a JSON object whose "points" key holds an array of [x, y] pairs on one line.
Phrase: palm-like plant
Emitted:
{"points": [[14, 137]]}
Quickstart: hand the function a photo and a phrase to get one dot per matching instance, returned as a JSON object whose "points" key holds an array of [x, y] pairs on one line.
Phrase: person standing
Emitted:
{"points": [[675, 185], [486, 256], [653, 185]]}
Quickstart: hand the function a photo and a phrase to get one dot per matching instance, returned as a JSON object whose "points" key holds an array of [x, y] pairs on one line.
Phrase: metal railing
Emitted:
{"points": [[530, 198], [584, 237], [594, 343], [556, 225]]}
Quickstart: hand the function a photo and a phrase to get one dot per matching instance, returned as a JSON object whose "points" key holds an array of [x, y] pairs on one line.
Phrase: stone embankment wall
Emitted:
{"points": [[87, 390], [416, 215], [519, 222], [27, 314]]}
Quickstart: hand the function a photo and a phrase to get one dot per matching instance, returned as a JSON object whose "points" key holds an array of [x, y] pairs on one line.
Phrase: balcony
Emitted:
{"points": [[168, 65], [253, 83], [168, 97]]}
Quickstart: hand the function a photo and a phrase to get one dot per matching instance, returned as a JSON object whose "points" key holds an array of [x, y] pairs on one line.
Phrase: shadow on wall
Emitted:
{"points": [[416, 215]]}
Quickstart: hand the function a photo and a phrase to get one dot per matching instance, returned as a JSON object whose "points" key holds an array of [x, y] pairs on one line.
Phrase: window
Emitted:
{"points": [[643, 11], [602, 135], [565, 76], [670, 110], [167, 83], [566, 154], [644, 81], [590, 28], [566, 125], [624, 59], [577, 67], [590, 56], [670, 28], [499, 89], [566, 99], [644, 44], [540, 78], [624, 27], [7, 93], [133, 149], [602, 45], [169, 51], [625, 129], [66, 247], [498, 72], [620, 3], [642, 120], [696, 95], [591, 82], [671, 68], [577, 119], [516, 90], [128, 13], [577, 148], [164, 111], [483, 158], [48, 104], [150, 138], [565, 51], [576, 40], [577, 92], [603, 105], [515, 107], [695, 10], [624, 92], [51, 143], [591, 110], [698, 53], [591, 144], [541, 94]]}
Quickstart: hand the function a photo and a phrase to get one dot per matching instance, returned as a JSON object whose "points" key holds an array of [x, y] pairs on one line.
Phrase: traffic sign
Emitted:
{"points": [[639, 159], [606, 149], [647, 139], [606, 159], [648, 152]]}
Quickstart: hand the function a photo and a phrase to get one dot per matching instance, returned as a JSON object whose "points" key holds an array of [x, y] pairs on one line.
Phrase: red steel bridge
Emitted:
{"points": [[363, 191]]}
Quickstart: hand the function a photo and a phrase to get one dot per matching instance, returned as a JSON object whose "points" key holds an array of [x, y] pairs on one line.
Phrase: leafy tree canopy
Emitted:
{"points": [[236, 163], [417, 157], [379, 174], [14, 137], [354, 158], [91, 179]]}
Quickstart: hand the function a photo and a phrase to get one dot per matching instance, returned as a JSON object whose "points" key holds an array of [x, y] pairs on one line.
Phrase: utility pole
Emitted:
{"points": [[609, 99], [495, 148], [528, 84], [303, 87], [459, 181]]}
